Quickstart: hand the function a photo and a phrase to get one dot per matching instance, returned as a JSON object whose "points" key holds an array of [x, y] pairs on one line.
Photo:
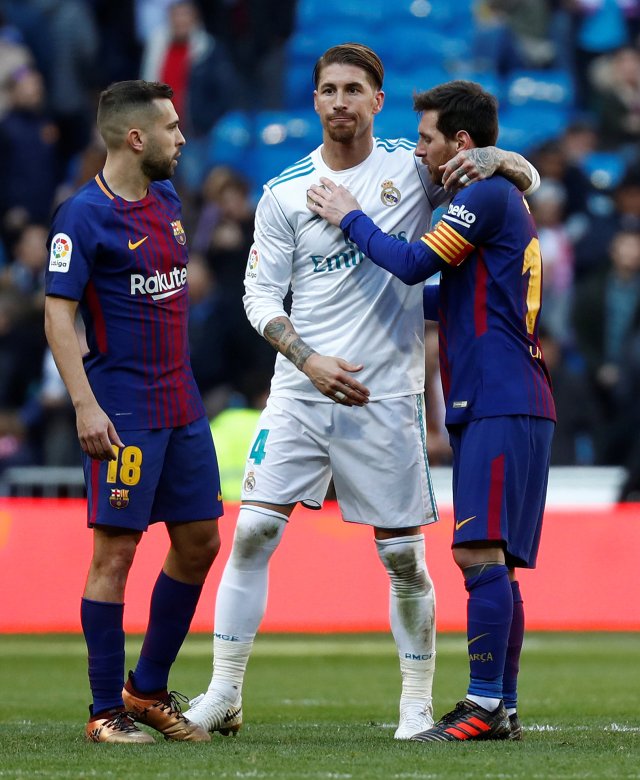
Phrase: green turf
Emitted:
{"points": [[325, 707]]}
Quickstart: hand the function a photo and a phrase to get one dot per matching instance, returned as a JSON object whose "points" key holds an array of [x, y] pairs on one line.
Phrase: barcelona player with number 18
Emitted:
{"points": [[118, 254], [499, 408]]}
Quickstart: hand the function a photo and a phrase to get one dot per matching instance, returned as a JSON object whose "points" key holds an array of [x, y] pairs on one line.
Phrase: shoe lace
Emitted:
{"points": [[173, 703], [122, 721], [459, 711]]}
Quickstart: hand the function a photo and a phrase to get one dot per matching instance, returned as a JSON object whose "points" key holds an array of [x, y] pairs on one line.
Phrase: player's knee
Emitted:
{"points": [[404, 560], [470, 555], [113, 557], [257, 535]]}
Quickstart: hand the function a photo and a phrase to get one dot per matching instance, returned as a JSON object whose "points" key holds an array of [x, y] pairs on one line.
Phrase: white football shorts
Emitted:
{"points": [[376, 455]]}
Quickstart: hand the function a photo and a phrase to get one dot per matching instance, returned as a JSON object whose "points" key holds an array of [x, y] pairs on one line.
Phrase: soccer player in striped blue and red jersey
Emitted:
{"points": [[118, 254], [500, 412]]}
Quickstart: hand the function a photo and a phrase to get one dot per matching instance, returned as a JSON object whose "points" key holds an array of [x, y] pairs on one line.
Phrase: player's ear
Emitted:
{"points": [[134, 139], [379, 98], [463, 141]]}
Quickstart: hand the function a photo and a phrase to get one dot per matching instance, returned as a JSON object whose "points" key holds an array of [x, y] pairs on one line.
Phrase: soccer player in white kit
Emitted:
{"points": [[346, 398]]}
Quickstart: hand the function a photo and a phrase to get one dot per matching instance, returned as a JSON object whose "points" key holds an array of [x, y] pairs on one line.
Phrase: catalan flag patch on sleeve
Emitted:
{"points": [[448, 243]]}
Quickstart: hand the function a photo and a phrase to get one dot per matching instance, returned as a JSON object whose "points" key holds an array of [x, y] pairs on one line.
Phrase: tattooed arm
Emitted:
{"points": [[330, 375], [482, 162]]}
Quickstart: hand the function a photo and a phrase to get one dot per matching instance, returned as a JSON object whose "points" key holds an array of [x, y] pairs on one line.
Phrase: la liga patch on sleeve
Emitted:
{"points": [[60, 254]]}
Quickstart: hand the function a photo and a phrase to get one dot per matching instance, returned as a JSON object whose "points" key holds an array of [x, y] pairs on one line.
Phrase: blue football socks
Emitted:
{"points": [[489, 614], [173, 604], [514, 647], [104, 635]]}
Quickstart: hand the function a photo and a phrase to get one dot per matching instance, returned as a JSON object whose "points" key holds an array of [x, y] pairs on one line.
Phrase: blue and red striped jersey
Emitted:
{"points": [[488, 299], [126, 264]]}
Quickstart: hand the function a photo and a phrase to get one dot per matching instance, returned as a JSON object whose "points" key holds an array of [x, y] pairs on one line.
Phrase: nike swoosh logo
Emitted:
{"points": [[464, 522], [137, 243], [475, 638]]}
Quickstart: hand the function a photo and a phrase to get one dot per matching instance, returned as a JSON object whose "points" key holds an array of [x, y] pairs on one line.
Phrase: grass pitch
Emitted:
{"points": [[326, 707]]}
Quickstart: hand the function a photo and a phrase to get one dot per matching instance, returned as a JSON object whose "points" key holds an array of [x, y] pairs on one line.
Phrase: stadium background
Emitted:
{"points": [[567, 75]]}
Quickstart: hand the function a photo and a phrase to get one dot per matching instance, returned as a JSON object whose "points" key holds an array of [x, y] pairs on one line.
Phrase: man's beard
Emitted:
{"points": [[341, 133], [157, 168]]}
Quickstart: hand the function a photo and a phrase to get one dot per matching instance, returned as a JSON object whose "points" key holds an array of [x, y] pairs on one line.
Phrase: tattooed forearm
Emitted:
{"points": [[485, 159], [281, 335], [513, 167]]}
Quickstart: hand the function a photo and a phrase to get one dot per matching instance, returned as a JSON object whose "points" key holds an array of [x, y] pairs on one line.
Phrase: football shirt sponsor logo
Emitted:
{"points": [[60, 254], [136, 244], [159, 285], [460, 215]]}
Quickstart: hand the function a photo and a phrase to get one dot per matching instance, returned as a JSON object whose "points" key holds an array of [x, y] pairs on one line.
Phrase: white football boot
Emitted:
{"points": [[215, 713], [416, 715]]}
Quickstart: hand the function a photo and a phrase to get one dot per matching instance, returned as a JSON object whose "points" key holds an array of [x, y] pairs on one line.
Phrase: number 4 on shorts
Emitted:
{"points": [[258, 451]]}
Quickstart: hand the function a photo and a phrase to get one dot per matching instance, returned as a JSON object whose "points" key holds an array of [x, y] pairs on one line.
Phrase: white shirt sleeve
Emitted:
{"points": [[269, 267]]}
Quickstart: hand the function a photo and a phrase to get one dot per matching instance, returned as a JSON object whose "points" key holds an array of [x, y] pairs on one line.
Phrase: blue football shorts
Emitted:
{"points": [[500, 475], [165, 475]]}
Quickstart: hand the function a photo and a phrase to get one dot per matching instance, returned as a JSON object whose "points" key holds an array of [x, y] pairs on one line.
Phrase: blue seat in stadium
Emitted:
{"points": [[296, 129], [312, 15], [298, 84], [604, 169], [399, 86], [540, 86], [522, 128], [410, 41], [231, 139], [396, 123]]}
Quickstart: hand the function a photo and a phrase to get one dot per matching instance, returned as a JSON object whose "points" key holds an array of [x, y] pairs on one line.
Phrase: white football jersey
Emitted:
{"points": [[343, 304]]}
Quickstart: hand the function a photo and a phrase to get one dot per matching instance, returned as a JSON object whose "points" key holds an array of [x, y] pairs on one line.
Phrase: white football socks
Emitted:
{"points": [[242, 595], [411, 612]]}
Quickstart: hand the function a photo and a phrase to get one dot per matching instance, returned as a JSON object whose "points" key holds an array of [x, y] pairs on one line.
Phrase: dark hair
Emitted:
{"points": [[118, 101], [356, 54], [462, 105]]}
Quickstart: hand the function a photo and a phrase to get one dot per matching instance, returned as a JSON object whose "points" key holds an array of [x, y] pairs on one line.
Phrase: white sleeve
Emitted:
{"points": [[269, 267], [535, 179]]}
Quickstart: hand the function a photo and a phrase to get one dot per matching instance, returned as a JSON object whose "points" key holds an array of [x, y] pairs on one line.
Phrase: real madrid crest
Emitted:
{"points": [[178, 232], [119, 499], [250, 482], [390, 195]]}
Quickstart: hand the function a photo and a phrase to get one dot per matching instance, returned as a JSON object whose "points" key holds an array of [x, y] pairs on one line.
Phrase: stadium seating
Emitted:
{"points": [[553, 87], [604, 169]]}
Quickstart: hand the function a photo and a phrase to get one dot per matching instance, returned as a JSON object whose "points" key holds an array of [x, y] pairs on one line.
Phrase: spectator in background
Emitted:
{"points": [[575, 405], [555, 164], [120, 49], [616, 99], [14, 55], [619, 210], [547, 205], [30, 165], [606, 316], [208, 314], [629, 416], [259, 30], [25, 274], [520, 32], [597, 27], [70, 41], [194, 63], [225, 234]]}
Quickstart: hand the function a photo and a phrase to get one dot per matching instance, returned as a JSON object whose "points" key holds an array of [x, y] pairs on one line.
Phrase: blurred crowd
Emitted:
{"points": [[229, 55]]}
